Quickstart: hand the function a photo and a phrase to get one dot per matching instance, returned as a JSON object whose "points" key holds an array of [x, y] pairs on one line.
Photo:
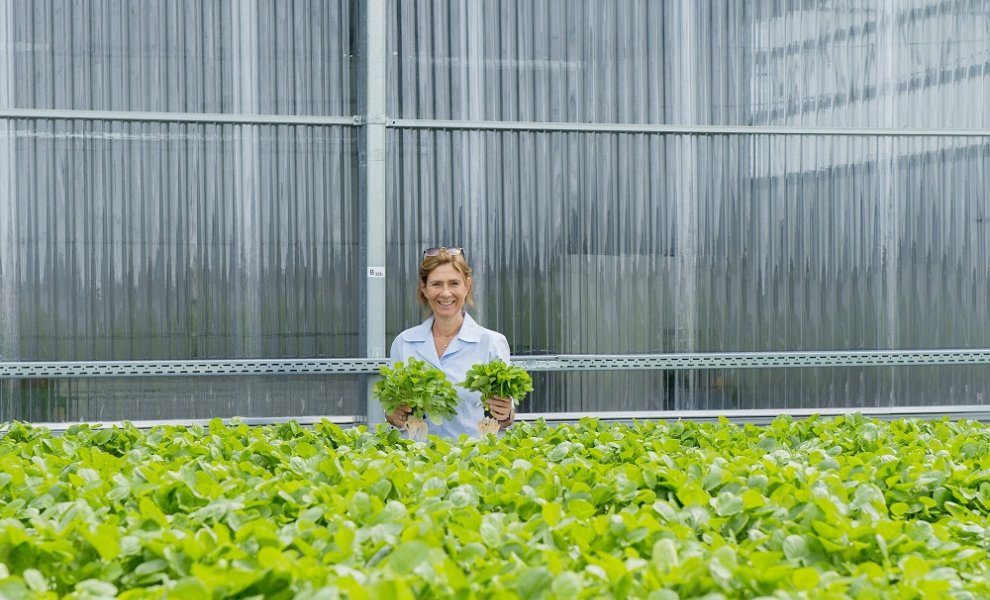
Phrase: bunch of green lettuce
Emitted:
{"points": [[422, 388], [497, 379]]}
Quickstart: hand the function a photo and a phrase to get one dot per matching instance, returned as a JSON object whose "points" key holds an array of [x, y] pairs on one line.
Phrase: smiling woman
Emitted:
{"points": [[446, 288], [451, 341]]}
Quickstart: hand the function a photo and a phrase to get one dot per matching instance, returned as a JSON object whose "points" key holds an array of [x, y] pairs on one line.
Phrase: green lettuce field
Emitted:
{"points": [[822, 508]]}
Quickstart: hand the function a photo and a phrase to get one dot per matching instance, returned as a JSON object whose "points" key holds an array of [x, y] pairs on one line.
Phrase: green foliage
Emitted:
{"points": [[820, 508], [498, 379], [419, 386]]}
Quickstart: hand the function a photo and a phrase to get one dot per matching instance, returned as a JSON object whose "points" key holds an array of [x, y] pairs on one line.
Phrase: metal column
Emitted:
{"points": [[9, 305], [888, 196], [683, 188], [247, 205], [372, 164]]}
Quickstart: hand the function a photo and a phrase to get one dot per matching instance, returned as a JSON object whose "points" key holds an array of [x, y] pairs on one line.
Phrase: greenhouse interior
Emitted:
{"points": [[707, 285]]}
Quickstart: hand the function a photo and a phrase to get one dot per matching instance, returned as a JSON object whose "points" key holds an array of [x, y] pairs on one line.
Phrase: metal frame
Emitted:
{"points": [[61, 427], [751, 360], [754, 416], [680, 129], [559, 362], [376, 116], [764, 416], [170, 117], [374, 172]]}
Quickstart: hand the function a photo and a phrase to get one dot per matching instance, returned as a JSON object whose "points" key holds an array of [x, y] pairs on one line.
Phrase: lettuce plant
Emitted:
{"points": [[844, 507], [422, 388], [496, 379]]}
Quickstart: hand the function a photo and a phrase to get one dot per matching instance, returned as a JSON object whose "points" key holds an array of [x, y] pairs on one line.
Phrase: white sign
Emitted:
{"points": [[376, 272]]}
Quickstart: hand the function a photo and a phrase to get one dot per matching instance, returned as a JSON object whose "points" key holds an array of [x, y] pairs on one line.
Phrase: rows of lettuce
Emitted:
{"points": [[848, 507]]}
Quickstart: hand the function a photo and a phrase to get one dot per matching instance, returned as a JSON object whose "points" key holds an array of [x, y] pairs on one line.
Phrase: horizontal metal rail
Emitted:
{"points": [[755, 360], [560, 362], [184, 368], [764, 416], [661, 128], [174, 117], [755, 416], [477, 125], [61, 427]]}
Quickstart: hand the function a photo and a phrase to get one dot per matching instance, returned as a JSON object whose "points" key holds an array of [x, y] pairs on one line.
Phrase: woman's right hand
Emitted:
{"points": [[399, 416]]}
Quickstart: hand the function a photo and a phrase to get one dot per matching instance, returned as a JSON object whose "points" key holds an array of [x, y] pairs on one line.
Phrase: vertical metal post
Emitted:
{"points": [[473, 163], [247, 307], [684, 190], [887, 195], [373, 172], [9, 309]]}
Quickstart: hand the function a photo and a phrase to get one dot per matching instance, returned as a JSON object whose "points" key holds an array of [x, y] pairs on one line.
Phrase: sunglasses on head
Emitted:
{"points": [[435, 251]]}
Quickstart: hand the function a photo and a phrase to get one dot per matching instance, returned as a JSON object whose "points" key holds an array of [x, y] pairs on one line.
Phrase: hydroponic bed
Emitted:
{"points": [[836, 508]]}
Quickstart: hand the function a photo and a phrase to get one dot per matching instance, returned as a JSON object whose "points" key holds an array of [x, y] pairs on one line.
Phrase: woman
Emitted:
{"points": [[451, 341]]}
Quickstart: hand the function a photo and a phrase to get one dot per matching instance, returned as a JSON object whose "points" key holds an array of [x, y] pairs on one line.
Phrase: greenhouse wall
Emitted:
{"points": [[644, 177]]}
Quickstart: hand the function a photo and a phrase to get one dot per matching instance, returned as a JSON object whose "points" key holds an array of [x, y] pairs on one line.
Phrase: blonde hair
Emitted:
{"points": [[431, 263]]}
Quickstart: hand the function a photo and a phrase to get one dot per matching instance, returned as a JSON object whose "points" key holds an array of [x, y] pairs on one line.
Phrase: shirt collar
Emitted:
{"points": [[470, 331]]}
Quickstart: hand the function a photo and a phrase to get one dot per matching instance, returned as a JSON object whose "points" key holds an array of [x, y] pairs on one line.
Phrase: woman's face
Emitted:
{"points": [[445, 290]]}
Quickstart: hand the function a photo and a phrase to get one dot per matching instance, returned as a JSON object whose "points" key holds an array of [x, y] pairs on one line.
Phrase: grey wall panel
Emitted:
{"points": [[912, 63], [551, 60], [184, 55], [587, 243], [136, 399], [857, 63], [141, 241], [137, 240]]}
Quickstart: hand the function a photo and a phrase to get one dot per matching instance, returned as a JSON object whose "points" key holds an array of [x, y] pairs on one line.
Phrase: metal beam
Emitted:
{"points": [[765, 416], [680, 129], [477, 125], [187, 368], [758, 417], [751, 360], [561, 362], [170, 117], [62, 427]]}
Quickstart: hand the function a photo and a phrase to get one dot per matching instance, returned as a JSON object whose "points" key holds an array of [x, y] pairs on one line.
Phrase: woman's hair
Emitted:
{"points": [[430, 263]]}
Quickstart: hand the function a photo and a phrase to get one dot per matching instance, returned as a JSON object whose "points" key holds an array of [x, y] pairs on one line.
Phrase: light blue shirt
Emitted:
{"points": [[473, 344]]}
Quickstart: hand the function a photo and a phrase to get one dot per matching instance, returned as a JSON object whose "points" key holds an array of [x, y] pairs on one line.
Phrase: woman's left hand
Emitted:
{"points": [[501, 409]]}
